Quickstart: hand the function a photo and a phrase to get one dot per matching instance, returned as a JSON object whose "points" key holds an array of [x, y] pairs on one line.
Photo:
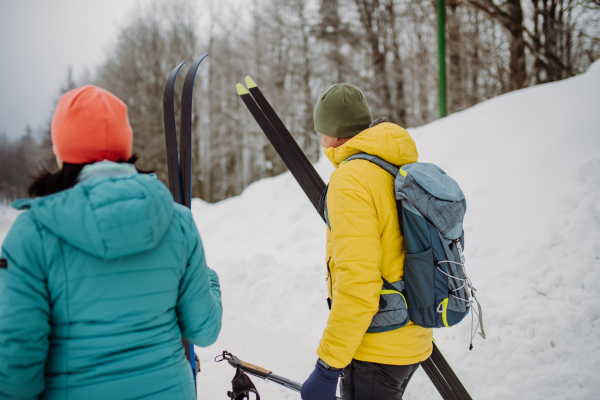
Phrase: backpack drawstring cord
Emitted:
{"points": [[471, 298]]}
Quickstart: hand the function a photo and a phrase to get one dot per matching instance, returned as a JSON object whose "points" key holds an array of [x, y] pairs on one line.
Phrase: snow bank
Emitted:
{"points": [[529, 163]]}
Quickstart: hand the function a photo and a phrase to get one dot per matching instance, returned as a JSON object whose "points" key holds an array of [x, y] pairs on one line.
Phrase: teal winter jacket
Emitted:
{"points": [[98, 283]]}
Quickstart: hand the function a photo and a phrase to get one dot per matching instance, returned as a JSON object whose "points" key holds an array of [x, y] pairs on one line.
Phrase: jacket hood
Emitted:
{"points": [[111, 214], [386, 140]]}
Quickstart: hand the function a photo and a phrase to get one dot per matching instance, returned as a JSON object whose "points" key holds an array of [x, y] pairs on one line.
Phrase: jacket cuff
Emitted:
{"points": [[334, 362]]}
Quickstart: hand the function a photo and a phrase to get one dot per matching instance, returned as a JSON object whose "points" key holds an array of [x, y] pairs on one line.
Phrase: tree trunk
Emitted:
{"points": [[310, 143], [475, 62], [518, 73], [398, 113], [456, 89], [374, 25], [330, 30]]}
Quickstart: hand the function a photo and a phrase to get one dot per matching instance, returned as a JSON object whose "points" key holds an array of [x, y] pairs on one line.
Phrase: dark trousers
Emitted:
{"points": [[370, 381]]}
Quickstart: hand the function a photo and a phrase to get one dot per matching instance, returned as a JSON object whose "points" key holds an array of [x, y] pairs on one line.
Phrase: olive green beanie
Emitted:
{"points": [[341, 111]]}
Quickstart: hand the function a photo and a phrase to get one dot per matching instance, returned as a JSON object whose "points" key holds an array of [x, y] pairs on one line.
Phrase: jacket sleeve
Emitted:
{"points": [[24, 312], [355, 240], [199, 306]]}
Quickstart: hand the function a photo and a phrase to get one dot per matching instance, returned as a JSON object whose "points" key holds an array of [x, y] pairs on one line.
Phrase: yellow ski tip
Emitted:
{"points": [[241, 89], [250, 83]]}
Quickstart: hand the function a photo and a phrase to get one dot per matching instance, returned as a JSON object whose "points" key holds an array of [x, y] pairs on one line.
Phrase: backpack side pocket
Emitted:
{"points": [[420, 289], [393, 310]]}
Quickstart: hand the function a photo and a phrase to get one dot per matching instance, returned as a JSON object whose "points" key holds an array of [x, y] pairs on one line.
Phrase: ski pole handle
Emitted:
{"points": [[249, 368]]}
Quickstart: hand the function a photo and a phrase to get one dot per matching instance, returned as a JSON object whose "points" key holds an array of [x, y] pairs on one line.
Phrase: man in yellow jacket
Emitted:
{"points": [[364, 245]]}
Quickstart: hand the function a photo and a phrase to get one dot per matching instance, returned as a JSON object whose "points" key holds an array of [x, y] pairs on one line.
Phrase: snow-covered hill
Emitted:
{"points": [[529, 164]]}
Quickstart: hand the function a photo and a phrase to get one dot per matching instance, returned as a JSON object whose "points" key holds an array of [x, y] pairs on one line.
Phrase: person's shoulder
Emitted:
{"points": [[25, 226], [181, 214], [26, 241], [355, 173], [184, 220], [181, 211]]}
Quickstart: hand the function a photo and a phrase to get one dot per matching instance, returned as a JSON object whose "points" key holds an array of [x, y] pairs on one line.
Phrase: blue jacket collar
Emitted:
{"points": [[105, 168]]}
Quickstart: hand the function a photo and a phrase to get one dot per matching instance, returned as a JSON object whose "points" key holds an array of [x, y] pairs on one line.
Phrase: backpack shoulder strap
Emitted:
{"points": [[389, 167], [322, 209]]}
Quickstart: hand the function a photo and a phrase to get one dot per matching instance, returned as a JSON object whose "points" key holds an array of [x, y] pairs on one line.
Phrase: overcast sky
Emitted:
{"points": [[39, 40]]}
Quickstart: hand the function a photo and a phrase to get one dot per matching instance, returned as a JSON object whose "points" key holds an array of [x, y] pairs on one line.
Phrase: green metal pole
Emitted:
{"points": [[441, 20]]}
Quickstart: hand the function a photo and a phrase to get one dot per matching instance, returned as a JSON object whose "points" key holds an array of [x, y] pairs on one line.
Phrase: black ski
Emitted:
{"points": [[449, 374], [180, 168], [436, 366], [438, 381], [313, 185], [285, 145], [185, 145], [171, 135]]}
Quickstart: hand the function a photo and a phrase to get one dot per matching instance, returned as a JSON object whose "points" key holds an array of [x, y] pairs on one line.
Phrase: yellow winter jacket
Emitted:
{"points": [[363, 245]]}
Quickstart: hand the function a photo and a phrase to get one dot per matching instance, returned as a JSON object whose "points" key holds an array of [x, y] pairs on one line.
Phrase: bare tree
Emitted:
{"points": [[156, 40], [374, 20], [295, 48], [17, 162]]}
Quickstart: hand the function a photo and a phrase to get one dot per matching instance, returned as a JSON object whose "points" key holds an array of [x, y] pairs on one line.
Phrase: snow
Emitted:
{"points": [[529, 164], [7, 217]]}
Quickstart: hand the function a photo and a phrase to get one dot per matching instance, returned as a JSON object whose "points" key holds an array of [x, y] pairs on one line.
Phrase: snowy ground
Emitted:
{"points": [[7, 217], [529, 164]]}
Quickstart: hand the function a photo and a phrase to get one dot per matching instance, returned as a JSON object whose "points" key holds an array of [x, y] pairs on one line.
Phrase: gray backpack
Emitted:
{"points": [[436, 291]]}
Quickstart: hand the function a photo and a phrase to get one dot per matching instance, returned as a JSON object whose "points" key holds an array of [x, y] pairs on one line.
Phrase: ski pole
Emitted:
{"points": [[258, 371]]}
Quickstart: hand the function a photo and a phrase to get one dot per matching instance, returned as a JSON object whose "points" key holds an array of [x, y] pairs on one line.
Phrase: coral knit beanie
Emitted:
{"points": [[90, 124]]}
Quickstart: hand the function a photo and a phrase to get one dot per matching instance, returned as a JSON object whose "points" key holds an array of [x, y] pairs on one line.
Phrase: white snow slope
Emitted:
{"points": [[529, 164]]}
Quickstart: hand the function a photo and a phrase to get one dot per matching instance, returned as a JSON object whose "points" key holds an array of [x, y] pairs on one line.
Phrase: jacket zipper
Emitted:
{"points": [[330, 297]]}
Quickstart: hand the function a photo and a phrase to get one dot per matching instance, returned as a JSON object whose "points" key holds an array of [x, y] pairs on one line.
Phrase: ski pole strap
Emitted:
{"points": [[242, 386]]}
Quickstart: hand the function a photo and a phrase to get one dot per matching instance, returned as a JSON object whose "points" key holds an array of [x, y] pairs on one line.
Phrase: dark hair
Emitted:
{"points": [[53, 182]]}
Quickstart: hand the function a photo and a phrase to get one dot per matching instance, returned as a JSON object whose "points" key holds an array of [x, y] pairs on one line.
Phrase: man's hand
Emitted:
{"points": [[321, 384]]}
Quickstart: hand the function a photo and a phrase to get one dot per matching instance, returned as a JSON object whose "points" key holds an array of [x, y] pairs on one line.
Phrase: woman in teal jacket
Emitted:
{"points": [[99, 281]]}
